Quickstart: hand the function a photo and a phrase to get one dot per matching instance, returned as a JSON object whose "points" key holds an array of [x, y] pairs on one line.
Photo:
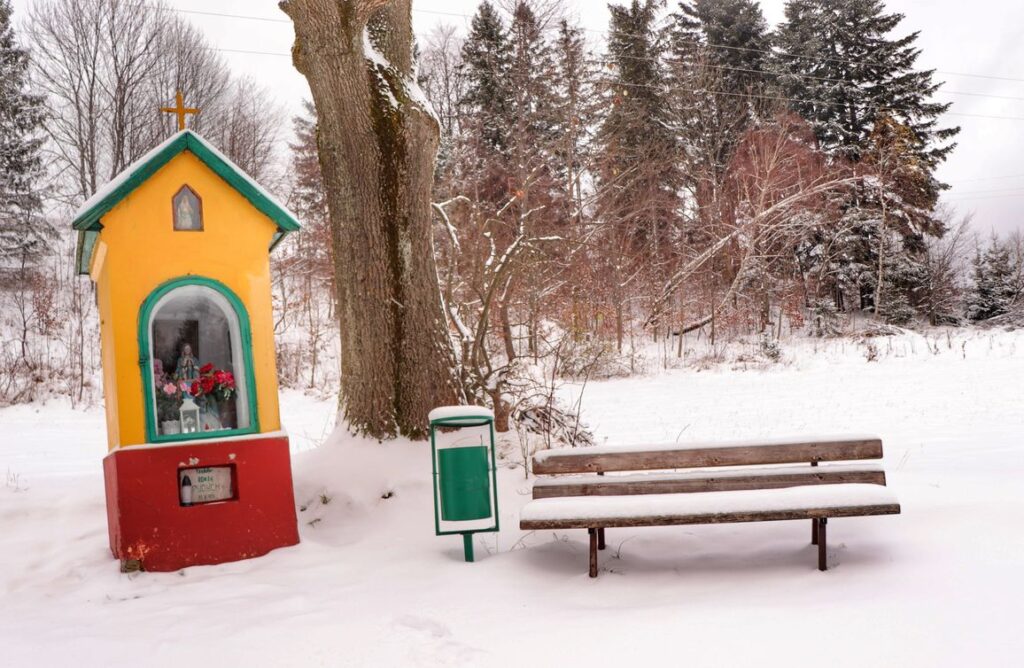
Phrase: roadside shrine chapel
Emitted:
{"points": [[198, 469]]}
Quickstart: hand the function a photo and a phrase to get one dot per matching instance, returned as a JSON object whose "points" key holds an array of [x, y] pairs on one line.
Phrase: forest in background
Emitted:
{"points": [[694, 171]]}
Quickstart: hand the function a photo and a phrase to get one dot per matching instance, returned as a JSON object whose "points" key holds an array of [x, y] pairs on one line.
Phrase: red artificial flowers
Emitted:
{"points": [[218, 383]]}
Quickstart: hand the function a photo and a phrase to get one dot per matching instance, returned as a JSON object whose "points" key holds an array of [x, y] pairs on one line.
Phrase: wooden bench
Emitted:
{"points": [[755, 493]]}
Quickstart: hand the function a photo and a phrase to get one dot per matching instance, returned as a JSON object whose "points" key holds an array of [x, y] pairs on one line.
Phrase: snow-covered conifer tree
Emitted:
{"points": [[717, 52], [841, 69], [22, 232], [573, 110], [858, 87], [994, 288], [486, 56], [636, 140]]}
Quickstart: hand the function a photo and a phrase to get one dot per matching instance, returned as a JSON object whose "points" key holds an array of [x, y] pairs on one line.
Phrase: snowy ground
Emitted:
{"points": [[939, 585]]}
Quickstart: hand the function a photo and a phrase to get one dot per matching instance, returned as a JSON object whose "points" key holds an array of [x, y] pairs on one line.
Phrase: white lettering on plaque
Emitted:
{"points": [[211, 483]]}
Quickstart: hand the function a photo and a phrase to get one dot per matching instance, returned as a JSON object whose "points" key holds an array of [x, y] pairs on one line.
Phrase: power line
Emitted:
{"points": [[760, 72], [766, 73], [993, 178], [983, 197], [985, 192], [778, 98], [601, 32], [762, 51], [723, 67], [594, 82], [266, 19], [782, 98], [248, 52]]}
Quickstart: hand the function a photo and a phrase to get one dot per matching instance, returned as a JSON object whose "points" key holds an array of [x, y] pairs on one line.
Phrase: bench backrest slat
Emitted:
{"points": [[601, 460], [608, 486]]}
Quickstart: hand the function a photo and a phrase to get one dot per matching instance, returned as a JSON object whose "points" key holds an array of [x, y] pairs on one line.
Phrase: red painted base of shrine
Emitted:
{"points": [[151, 528]]}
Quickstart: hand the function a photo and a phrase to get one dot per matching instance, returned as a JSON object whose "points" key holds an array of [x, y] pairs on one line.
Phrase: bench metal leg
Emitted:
{"points": [[822, 552], [814, 523], [593, 552], [600, 532]]}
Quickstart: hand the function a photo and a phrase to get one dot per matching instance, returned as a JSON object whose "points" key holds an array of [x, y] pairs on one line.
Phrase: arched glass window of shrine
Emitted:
{"points": [[199, 378]]}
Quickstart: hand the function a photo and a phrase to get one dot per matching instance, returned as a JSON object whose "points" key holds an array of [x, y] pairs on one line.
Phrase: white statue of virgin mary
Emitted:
{"points": [[187, 218]]}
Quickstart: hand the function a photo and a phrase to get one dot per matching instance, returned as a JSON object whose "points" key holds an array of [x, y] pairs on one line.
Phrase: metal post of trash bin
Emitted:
{"points": [[464, 472]]}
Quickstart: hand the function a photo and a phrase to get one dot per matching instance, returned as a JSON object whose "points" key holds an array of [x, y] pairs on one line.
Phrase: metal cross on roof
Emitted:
{"points": [[180, 110]]}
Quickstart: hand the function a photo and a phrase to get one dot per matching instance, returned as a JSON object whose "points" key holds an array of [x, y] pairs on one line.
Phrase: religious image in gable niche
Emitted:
{"points": [[188, 210]]}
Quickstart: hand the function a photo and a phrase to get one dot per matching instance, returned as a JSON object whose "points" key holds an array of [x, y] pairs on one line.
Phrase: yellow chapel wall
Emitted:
{"points": [[141, 250]]}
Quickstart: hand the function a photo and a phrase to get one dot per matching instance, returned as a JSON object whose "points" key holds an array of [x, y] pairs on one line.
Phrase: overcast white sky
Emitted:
{"points": [[981, 37]]}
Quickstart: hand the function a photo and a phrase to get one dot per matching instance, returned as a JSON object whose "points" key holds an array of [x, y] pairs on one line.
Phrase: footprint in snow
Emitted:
{"points": [[434, 628]]}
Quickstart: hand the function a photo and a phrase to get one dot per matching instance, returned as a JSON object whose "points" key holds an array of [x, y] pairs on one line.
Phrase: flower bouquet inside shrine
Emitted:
{"points": [[207, 403]]}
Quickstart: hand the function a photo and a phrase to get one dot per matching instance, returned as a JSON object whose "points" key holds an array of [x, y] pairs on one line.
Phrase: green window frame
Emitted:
{"points": [[146, 356]]}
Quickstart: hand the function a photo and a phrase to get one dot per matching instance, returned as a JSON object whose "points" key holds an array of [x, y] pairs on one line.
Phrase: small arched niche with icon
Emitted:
{"points": [[187, 208]]}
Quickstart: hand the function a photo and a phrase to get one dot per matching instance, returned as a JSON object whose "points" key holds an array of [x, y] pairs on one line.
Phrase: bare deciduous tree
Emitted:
{"points": [[442, 77], [107, 66], [775, 186], [946, 263], [188, 65], [247, 127]]}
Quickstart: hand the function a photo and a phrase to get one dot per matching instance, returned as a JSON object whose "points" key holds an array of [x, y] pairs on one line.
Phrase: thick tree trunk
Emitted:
{"points": [[377, 142]]}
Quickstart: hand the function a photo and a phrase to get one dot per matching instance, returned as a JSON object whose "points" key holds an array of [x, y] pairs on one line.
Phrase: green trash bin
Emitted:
{"points": [[465, 475], [465, 483]]}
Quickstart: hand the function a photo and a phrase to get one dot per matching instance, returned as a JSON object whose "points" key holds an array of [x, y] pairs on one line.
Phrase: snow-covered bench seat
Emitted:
{"points": [[755, 493]]}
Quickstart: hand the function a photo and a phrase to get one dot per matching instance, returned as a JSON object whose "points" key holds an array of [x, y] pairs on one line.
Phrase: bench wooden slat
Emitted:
{"points": [[794, 503], [719, 518], [599, 460], [687, 483]]}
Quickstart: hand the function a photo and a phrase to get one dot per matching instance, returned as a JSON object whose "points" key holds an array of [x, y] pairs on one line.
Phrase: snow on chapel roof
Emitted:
{"points": [[106, 198], [87, 218]]}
